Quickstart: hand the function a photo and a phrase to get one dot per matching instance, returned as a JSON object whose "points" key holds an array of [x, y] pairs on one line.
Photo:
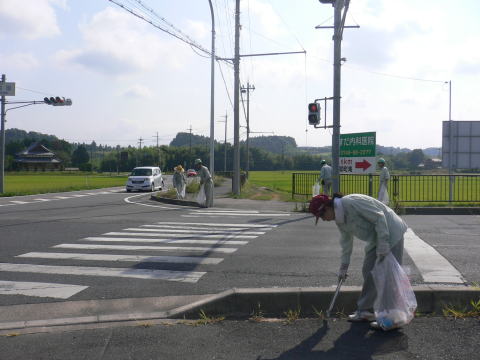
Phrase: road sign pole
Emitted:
{"points": [[2, 139]]}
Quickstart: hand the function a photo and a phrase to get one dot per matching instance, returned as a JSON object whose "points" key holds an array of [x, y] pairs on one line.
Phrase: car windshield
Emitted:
{"points": [[141, 172]]}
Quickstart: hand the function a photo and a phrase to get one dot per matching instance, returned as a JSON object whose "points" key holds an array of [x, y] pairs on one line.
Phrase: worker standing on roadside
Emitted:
{"points": [[325, 177], [206, 181], [383, 182], [368, 220], [179, 181]]}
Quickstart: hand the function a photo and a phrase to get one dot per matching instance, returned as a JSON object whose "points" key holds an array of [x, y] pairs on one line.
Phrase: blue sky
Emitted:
{"points": [[129, 80]]}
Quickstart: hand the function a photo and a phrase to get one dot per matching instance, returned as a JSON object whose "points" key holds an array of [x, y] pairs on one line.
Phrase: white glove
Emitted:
{"points": [[382, 250], [342, 272]]}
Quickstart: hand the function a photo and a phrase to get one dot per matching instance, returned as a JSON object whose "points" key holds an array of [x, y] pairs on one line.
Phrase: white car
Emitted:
{"points": [[147, 178]]}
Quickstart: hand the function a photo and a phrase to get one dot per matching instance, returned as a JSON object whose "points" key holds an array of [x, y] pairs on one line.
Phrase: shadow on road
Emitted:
{"points": [[358, 342]]}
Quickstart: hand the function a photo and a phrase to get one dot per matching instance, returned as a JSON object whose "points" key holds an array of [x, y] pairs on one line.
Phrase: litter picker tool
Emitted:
{"points": [[332, 303]]}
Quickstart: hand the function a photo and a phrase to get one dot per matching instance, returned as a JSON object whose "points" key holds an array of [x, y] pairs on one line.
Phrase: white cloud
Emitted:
{"points": [[32, 19], [268, 18], [138, 91], [118, 43], [24, 61], [198, 29]]}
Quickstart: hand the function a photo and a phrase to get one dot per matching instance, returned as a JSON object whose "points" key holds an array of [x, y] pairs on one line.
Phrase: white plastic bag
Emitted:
{"points": [[383, 194], [395, 304], [316, 189], [201, 198]]}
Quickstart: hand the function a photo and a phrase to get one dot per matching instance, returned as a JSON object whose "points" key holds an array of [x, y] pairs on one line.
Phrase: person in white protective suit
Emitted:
{"points": [[325, 177], [205, 180], [369, 220], [383, 179], [179, 181]]}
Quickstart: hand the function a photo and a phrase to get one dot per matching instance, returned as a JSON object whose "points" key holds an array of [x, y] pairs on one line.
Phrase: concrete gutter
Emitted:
{"points": [[234, 303]]}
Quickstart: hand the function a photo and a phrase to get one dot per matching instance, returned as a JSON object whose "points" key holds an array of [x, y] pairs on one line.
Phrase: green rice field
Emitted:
{"points": [[28, 184]]}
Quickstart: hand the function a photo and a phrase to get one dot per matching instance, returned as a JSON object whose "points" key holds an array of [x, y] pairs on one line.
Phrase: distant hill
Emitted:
{"points": [[274, 144], [14, 135], [187, 139]]}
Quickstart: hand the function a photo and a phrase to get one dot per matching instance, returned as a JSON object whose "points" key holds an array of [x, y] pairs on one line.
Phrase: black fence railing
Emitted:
{"points": [[403, 188]]}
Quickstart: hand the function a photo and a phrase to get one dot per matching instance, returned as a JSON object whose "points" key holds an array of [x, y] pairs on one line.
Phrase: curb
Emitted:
{"points": [[174, 201], [242, 303], [442, 210]]}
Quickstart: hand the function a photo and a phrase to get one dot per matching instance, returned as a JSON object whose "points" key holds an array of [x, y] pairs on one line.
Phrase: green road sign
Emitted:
{"points": [[357, 153]]}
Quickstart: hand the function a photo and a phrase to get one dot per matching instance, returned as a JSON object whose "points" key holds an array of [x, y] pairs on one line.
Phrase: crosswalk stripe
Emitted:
{"points": [[146, 232], [225, 250], [199, 260], [62, 197], [168, 241], [19, 202], [229, 211], [40, 289], [195, 231], [41, 199], [207, 227], [219, 224], [149, 274], [229, 214]]}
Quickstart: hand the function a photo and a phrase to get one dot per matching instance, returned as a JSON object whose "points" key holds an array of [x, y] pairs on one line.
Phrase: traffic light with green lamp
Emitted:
{"points": [[57, 101], [314, 113]]}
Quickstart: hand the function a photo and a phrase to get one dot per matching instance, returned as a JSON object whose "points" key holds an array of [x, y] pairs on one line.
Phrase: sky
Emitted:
{"points": [[128, 80]]}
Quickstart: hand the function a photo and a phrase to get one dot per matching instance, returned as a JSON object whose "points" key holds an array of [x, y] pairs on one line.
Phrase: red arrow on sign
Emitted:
{"points": [[362, 165]]}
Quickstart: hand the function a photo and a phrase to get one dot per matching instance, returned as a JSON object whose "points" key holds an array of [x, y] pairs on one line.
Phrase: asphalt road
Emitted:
{"points": [[424, 338], [94, 232]]}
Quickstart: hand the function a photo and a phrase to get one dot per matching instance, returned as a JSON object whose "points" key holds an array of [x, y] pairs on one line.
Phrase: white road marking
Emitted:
{"points": [[167, 241], [200, 260], [79, 195], [149, 274], [156, 232], [53, 290], [197, 230], [41, 199], [225, 250], [206, 227], [433, 267], [218, 224], [63, 197], [230, 214], [127, 200], [19, 202], [228, 211]]}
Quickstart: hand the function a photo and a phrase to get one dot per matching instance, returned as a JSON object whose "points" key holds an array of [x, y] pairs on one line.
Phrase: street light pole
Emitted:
{"points": [[212, 101]]}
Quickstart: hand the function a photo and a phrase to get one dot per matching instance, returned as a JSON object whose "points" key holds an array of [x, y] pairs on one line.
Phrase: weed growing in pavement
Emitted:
{"points": [[257, 314], [292, 315], [465, 312], [320, 314], [205, 319]]}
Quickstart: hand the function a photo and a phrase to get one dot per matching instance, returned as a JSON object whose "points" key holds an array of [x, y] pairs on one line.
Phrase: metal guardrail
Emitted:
{"points": [[402, 188]]}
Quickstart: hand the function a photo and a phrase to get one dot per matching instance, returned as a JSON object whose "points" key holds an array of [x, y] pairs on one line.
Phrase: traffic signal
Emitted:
{"points": [[314, 113], [57, 101]]}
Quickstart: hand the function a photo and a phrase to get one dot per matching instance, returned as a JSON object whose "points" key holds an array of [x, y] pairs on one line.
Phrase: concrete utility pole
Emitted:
{"points": [[236, 112], [158, 151], [225, 143], [190, 151], [338, 26], [2, 140], [450, 147], [247, 90]]}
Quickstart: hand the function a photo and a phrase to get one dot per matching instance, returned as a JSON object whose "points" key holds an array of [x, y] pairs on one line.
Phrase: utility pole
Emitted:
{"points": [[212, 102], [236, 112], [158, 151], [247, 90], [338, 26], [2, 139], [190, 151], [450, 147], [225, 144]]}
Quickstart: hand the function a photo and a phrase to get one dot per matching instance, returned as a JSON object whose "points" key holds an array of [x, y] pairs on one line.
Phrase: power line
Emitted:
{"points": [[226, 88]]}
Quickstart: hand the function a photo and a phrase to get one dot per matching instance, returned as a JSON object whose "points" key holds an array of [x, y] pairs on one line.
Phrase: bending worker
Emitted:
{"points": [[325, 177], [206, 181], [179, 181], [369, 220], [383, 179]]}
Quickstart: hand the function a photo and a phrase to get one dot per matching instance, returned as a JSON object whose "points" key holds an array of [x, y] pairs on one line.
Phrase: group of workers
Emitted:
{"points": [[206, 182]]}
